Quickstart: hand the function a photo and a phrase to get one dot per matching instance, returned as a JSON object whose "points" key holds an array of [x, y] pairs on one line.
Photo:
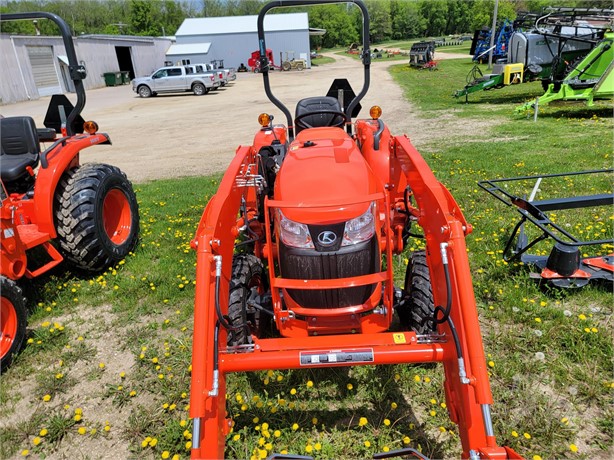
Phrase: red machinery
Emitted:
{"points": [[89, 211], [296, 240], [254, 62]]}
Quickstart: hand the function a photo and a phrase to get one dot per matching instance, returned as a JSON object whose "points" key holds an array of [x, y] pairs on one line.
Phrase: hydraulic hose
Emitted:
{"points": [[445, 312]]}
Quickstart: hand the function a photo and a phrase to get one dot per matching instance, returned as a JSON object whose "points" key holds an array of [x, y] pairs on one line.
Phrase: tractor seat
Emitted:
{"points": [[315, 104], [20, 147]]}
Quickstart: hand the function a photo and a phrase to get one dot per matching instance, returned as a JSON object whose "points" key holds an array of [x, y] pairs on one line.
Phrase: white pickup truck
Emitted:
{"points": [[174, 79], [227, 74]]}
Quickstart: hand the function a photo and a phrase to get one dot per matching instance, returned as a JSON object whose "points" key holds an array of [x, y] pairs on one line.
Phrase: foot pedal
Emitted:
{"points": [[407, 452]]}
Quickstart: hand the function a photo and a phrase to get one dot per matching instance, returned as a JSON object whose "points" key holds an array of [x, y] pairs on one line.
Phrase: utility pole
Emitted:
{"points": [[493, 31]]}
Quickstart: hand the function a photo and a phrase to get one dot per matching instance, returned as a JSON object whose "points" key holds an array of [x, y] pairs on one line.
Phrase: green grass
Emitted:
{"points": [[322, 60], [121, 341]]}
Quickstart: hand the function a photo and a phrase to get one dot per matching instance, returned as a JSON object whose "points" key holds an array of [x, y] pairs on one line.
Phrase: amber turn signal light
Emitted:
{"points": [[90, 127], [264, 119], [375, 112]]}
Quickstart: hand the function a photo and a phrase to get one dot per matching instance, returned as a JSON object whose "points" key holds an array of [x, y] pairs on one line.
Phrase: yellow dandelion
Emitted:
{"points": [[309, 384], [386, 422], [25, 453], [363, 421], [294, 426], [573, 448], [153, 442], [349, 386], [367, 444], [166, 454], [82, 430], [36, 441], [527, 435], [47, 398]]}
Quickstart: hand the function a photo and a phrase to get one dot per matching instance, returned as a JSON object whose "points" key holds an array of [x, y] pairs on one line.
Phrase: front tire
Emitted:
{"points": [[97, 216], [199, 89], [14, 318], [247, 281], [286, 66], [144, 91], [417, 309]]}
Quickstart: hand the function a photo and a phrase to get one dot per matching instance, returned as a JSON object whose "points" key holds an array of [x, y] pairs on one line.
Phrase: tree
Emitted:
{"points": [[340, 29], [381, 24], [435, 13]]}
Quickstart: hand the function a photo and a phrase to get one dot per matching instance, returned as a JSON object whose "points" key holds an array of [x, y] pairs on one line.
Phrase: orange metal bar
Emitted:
{"points": [[291, 359], [288, 283]]}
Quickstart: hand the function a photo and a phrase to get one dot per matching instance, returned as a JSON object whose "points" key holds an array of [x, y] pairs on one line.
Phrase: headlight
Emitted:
{"points": [[360, 228], [293, 233]]}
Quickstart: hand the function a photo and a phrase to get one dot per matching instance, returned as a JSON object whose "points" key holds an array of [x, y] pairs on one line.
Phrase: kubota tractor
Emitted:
{"points": [[294, 263], [52, 207]]}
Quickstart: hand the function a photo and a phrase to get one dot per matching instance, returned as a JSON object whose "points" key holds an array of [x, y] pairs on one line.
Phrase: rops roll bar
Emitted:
{"points": [[264, 63], [77, 71]]}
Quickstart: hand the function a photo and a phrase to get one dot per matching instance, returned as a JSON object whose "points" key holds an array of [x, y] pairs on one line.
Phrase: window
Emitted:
{"points": [[185, 61], [160, 73], [174, 72]]}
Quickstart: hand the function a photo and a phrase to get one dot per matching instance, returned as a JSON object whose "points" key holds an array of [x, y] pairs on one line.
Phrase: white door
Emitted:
{"points": [[43, 70]]}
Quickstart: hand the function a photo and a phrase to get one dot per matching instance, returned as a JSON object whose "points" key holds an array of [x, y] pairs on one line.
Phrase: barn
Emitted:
{"points": [[233, 39]]}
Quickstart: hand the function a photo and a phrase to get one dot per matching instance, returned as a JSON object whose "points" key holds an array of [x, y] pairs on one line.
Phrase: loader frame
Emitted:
{"points": [[457, 343]]}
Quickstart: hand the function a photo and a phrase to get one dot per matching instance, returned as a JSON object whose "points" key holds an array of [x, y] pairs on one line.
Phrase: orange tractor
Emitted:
{"points": [[294, 264], [52, 207]]}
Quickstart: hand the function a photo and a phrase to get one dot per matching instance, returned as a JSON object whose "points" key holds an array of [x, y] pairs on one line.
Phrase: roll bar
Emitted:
{"points": [[77, 71], [264, 63]]}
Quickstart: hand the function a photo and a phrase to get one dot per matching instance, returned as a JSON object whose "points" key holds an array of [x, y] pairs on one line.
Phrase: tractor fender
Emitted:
{"points": [[384, 165], [60, 158]]}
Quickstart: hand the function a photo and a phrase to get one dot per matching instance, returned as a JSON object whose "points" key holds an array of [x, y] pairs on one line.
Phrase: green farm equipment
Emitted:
{"points": [[590, 78], [548, 53]]}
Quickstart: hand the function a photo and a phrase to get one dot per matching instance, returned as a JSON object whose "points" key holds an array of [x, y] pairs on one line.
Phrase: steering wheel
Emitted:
{"points": [[337, 121]]}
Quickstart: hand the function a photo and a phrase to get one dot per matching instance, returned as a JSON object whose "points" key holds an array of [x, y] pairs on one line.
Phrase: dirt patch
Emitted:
{"points": [[184, 135]]}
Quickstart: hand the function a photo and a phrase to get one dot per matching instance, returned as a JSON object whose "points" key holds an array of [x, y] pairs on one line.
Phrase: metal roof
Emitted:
{"points": [[242, 24], [188, 48]]}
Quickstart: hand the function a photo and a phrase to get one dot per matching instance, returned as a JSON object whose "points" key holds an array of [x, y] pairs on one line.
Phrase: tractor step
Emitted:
{"points": [[30, 236]]}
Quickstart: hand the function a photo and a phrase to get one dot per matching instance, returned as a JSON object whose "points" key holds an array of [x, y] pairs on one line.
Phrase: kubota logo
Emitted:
{"points": [[327, 238]]}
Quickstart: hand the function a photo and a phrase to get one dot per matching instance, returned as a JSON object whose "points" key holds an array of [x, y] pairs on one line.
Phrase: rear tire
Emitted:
{"points": [[144, 91], [199, 89], [97, 216], [247, 280], [286, 66], [417, 310], [14, 318]]}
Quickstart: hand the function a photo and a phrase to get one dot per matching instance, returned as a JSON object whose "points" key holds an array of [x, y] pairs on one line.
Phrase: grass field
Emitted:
{"points": [[106, 365]]}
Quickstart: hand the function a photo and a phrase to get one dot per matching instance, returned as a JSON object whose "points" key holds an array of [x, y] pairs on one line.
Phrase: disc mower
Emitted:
{"points": [[53, 208], [294, 263], [563, 266]]}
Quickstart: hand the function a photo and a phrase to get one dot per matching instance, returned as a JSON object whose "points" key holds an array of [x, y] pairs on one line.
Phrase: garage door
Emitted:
{"points": [[43, 70]]}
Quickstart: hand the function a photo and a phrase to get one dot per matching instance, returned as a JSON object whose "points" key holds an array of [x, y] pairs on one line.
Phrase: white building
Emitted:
{"points": [[34, 66], [234, 38]]}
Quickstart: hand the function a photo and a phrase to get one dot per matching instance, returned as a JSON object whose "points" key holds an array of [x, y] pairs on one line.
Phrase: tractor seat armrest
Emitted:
{"points": [[46, 134]]}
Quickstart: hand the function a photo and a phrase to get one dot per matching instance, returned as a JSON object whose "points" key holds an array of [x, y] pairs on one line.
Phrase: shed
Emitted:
{"points": [[35, 65], [234, 38]]}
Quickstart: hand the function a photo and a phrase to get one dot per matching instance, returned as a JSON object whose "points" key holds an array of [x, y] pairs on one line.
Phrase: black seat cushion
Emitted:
{"points": [[20, 147], [315, 104]]}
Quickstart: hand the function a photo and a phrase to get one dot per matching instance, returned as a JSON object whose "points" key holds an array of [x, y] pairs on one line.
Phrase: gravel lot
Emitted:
{"points": [[179, 135]]}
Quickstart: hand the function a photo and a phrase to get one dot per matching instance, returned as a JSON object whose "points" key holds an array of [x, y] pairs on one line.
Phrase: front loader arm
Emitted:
{"points": [[467, 390], [214, 240]]}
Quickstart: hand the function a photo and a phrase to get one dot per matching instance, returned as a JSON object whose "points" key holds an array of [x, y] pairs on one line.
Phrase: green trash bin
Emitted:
{"points": [[110, 78], [125, 77]]}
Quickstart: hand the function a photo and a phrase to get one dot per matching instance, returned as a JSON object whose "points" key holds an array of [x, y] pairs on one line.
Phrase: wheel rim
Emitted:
{"points": [[198, 89], [9, 326], [144, 92], [117, 216]]}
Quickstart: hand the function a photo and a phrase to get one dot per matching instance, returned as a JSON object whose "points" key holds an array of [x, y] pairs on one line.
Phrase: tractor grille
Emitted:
{"points": [[360, 259]]}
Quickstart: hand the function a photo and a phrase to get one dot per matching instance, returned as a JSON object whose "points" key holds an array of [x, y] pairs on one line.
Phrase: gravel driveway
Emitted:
{"points": [[184, 135]]}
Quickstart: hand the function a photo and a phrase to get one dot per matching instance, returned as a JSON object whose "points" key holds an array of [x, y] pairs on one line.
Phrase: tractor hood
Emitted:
{"points": [[324, 167]]}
